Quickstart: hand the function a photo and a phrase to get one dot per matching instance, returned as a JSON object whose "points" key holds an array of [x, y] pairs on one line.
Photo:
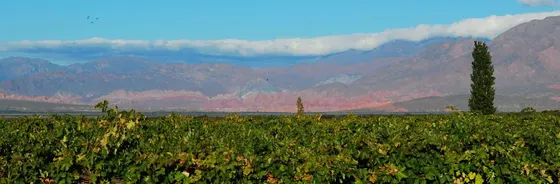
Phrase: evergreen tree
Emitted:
{"points": [[482, 77], [299, 106]]}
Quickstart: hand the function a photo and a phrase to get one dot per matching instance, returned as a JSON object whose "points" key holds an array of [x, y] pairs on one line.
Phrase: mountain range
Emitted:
{"points": [[526, 61]]}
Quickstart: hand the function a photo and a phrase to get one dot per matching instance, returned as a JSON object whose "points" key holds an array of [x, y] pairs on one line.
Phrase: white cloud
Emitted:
{"points": [[488, 27], [538, 2]]}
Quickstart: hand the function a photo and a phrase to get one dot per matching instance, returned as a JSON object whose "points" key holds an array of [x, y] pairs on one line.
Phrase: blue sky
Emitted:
{"points": [[252, 27], [226, 19]]}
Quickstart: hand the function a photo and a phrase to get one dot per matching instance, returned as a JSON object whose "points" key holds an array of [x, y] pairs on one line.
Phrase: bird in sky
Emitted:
{"points": [[91, 22]]}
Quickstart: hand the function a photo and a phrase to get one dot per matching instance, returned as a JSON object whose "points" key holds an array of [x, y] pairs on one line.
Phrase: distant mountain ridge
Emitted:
{"points": [[392, 49], [526, 61]]}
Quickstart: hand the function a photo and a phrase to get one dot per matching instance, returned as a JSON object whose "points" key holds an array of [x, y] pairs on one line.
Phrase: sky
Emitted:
{"points": [[249, 27]]}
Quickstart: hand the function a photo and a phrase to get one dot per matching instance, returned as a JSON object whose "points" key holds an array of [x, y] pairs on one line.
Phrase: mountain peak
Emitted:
{"points": [[532, 30], [15, 67]]}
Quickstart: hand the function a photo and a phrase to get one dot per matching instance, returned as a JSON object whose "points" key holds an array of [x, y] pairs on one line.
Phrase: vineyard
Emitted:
{"points": [[123, 147]]}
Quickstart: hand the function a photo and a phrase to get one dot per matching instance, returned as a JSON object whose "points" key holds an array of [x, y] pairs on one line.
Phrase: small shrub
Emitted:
{"points": [[452, 108], [299, 104], [528, 110]]}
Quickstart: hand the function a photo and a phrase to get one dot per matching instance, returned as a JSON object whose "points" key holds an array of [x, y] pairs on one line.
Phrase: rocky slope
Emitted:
{"points": [[525, 61], [16, 67]]}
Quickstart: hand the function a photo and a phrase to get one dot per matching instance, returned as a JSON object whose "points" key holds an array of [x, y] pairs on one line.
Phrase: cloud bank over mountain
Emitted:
{"points": [[487, 27]]}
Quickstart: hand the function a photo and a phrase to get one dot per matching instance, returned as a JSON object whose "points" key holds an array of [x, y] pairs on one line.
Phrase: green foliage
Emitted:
{"points": [[124, 147], [104, 105], [528, 110], [452, 108], [299, 104], [482, 77], [553, 112]]}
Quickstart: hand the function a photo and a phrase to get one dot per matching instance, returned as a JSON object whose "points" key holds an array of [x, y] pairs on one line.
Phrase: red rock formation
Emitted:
{"points": [[554, 86], [263, 102]]}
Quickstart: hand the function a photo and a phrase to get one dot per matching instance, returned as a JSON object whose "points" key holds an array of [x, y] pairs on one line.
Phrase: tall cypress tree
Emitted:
{"points": [[482, 77]]}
